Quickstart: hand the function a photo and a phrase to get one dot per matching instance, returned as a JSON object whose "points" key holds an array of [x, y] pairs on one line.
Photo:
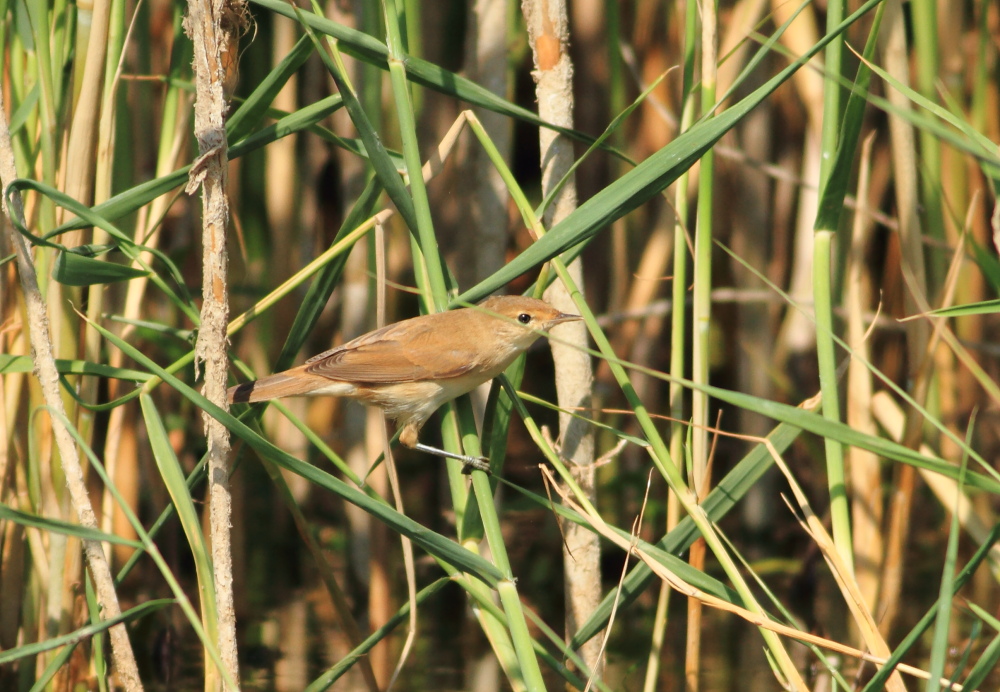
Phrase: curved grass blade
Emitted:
{"points": [[11, 364], [150, 547], [64, 527], [125, 244], [106, 406], [180, 496], [986, 307], [73, 269]]}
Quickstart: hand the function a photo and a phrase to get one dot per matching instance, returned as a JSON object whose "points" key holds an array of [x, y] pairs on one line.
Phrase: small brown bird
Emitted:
{"points": [[408, 369]]}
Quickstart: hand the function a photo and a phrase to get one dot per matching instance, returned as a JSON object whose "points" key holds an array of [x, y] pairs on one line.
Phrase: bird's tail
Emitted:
{"points": [[270, 387], [294, 382]]}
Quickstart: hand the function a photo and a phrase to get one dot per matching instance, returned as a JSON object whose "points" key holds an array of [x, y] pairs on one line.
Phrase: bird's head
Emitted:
{"points": [[518, 321]]}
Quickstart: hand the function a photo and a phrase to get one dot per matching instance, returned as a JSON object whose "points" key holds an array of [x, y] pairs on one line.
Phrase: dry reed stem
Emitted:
{"points": [[87, 113], [385, 604], [892, 39], [547, 22], [4, 435], [483, 245], [122, 469], [48, 378], [866, 471], [734, 45], [797, 334], [81, 167], [637, 340], [902, 501], [214, 27]]}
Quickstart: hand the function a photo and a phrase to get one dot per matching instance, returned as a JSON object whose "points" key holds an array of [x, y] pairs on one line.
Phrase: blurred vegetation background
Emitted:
{"points": [[840, 237]]}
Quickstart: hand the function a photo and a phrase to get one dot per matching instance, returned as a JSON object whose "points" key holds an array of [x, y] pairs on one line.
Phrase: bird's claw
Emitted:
{"points": [[476, 464]]}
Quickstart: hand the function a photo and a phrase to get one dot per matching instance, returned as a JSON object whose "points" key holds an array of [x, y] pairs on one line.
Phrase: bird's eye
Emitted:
{"points": [[524, 318]]}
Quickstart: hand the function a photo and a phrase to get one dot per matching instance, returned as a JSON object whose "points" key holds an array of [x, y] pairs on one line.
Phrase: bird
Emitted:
{"points": [[412, 367]]}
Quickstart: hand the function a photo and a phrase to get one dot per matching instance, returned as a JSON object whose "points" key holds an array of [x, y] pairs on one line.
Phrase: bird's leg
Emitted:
{"points": [[471, 463], [408, 437]]}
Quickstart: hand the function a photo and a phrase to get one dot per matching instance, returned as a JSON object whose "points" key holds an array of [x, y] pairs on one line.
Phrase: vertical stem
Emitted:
{"points": [[864, 467], [411, 156], [894, 49], [678, 341], [87, 110], [840, 517], [678, 330], [701, 321], [832, 91], [41, 22], [214, 27], [548, 30], [701, 318], [482, 248], [823, 247], [927, 75], [167, 159]]}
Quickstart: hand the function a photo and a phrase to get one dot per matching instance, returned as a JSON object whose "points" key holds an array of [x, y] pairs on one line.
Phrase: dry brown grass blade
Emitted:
{"points": [[686, 589], [600, 526], [855, 600]]}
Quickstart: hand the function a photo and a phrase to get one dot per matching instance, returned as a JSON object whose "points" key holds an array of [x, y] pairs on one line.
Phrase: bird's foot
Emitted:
{"points": [[476, 464]]}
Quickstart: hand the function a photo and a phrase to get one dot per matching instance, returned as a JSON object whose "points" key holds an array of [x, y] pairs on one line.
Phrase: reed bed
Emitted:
{"points": [[767, 462]]}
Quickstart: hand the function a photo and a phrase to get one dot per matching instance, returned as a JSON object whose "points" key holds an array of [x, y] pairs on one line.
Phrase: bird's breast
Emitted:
{"points": [[406, 401]]}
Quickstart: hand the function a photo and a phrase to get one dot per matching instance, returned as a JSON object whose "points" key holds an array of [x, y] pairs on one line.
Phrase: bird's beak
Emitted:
{"points": [[564, 317]]}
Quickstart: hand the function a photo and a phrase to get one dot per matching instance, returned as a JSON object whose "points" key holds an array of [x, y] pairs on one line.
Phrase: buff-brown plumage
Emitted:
{"points": [[411, 368]]}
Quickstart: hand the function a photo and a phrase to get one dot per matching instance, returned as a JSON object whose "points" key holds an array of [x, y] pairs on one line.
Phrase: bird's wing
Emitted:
{"points": [[380, 357]]}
